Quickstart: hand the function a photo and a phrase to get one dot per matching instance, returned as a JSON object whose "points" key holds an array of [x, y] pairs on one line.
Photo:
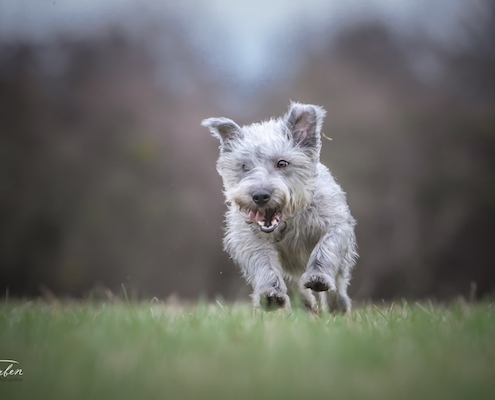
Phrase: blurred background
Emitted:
{"points": [[108, 179]]}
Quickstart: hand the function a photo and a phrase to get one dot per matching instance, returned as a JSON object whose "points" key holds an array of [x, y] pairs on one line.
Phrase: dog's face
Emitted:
{"points": [[269, 168]]}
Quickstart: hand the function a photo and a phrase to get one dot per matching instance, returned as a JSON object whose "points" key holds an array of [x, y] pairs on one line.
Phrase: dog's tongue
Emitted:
{"points": [[257, 216]]}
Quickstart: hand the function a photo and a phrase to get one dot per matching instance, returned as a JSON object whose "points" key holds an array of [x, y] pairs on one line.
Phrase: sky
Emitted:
{"points": [[239, 38]]}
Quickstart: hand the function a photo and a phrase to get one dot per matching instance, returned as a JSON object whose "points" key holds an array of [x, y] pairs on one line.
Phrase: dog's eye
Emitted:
{"points": [[245, 167], [282, 164]]}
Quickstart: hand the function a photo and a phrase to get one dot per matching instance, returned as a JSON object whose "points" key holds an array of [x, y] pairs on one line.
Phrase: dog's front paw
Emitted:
{"points": [[318, 282], [271, 299]]}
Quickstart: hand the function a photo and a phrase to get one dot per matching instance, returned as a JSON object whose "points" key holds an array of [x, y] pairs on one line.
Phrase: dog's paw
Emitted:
{"points": [[271, 299], [318, 282]]}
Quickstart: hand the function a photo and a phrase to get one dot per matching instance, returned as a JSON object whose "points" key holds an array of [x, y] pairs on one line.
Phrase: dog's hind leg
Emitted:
{"points": [[338, 300], [308, 298]]}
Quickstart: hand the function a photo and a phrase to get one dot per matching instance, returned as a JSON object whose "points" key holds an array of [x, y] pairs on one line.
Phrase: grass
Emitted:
{"points": [[143, 351]]}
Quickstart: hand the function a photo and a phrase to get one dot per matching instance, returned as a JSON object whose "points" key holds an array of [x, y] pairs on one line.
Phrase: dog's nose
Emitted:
{"points": [[261, 197]]}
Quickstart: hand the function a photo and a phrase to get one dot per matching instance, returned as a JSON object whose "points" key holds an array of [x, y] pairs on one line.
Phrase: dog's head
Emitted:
{"points": [[269, 168]]}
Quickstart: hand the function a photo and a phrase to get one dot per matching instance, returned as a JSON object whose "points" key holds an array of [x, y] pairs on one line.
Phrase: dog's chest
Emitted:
{"points": [[294, 247]]}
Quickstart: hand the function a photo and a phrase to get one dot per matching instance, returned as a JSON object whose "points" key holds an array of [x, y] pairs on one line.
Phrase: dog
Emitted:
{"points": [[288, 220]]}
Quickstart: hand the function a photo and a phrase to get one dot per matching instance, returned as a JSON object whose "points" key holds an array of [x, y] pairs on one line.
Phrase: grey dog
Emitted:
{"points": [[287, 216]]}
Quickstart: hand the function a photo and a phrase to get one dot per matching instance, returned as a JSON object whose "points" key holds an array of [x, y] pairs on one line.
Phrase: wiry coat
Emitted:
{"points": [[287, 216]]}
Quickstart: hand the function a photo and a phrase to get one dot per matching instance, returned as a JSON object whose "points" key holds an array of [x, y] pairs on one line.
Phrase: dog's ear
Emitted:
{"points": [[304, 122], [223, 129]]}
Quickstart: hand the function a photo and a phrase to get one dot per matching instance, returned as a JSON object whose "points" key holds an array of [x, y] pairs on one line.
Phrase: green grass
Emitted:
{"points": [[138, 351]]}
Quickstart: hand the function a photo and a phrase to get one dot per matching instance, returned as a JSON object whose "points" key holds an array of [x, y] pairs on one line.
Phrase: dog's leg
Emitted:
{"points": [[329, 267], [269, 289], [339, 300], [323, 302], [308, 298], [260, 266]]}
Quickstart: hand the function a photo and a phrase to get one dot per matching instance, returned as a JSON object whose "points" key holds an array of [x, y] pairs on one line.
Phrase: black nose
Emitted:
{"points": [[261, 197]]}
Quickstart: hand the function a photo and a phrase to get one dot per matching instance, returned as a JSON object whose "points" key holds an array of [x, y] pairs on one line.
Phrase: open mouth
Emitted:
{"points": [[267, 219]]}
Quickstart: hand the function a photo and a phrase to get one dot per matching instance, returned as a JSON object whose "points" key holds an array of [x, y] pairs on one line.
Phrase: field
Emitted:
{"points": [[131, 350]]}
